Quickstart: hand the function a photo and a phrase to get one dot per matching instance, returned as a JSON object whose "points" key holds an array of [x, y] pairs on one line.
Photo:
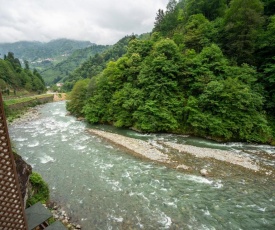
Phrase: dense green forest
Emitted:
{"points": [[13, 77], [208, 69]]}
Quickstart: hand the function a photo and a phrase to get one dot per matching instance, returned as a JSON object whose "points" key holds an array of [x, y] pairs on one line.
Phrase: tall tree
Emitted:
{"points": [[211, 9], [158, 20], [269, 7], [242, 22]]}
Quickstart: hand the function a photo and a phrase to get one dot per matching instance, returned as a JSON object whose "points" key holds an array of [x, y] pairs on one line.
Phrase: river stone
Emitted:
{"points": [[204, 172], [185, 167]]}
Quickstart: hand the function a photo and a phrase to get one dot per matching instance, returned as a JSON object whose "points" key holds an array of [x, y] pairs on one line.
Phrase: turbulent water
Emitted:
{"points": [[103, 187]]}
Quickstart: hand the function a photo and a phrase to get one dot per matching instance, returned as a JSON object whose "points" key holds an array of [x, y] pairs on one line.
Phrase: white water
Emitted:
{"points": [[103, 187]]}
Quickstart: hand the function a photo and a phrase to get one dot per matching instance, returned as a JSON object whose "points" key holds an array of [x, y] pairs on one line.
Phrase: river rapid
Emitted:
{"points": [[103, 187]]}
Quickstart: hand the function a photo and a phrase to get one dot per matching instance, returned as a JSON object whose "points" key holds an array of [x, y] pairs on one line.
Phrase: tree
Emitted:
{"points": [[230, 110], [200, 69], [78, 97], [26, 63], [165, 23], [158, 20], [211, 9], [269, 7], [242, 22], [160, 102], [197, 31]]}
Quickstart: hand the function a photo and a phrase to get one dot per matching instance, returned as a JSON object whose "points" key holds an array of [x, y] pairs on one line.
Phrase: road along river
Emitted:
{"points": [[102, 186]]}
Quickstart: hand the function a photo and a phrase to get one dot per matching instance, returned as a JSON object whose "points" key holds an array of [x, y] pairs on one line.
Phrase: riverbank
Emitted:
{"points": [[16, 108], [100, 185], [137, 147], [159, 152]]}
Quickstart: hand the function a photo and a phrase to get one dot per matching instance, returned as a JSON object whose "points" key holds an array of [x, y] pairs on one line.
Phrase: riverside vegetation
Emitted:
{"points": [[207, 70]]}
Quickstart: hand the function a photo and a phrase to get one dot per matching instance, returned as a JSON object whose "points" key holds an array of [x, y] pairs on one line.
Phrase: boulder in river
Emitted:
{"points": [[204, 172]]}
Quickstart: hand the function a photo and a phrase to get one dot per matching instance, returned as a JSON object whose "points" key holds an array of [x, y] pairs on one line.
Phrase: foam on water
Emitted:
{"points": [[45, 159], [79, 147], [172, 204], [20, 139], [33, 144], [198, 179], [165, 220], [108, 188], [117, 219]]}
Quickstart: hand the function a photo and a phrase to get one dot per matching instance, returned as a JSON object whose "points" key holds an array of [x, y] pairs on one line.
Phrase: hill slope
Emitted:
{"points": [[56, 72], [33, 51]]}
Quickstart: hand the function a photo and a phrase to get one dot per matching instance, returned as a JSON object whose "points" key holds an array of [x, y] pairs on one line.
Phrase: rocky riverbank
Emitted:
{"points": [[158, 152], [30, 114], [60, 214], [138, 147], [217, 154]]}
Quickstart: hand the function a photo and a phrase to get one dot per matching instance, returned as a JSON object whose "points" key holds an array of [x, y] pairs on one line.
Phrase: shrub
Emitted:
{"points": [[40, 190]]}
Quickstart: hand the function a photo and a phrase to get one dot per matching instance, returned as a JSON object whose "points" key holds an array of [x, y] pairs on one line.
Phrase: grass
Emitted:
{"points": [[24, 99]]}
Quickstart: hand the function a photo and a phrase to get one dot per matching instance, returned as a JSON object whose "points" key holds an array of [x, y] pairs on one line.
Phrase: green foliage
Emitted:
{"points": [[96, 64], [60, 71], [230, 110], [207, 69], [13, 77], [211, 9], [40, 190], [78, 97], [242, 22]]}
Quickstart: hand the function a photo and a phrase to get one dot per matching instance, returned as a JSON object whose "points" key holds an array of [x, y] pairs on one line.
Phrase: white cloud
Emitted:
{"points": [[99, 21]]}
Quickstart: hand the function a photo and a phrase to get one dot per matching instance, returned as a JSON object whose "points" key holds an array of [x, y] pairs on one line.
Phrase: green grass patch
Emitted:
{"points": [[24, 99], [40, 190]]}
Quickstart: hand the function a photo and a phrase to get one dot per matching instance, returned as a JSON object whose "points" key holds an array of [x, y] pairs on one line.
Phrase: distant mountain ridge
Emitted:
{"points": [[34, 50], [55, 72], [55, 59]]}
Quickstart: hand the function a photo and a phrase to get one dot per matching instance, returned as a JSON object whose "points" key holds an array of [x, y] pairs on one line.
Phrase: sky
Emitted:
{"points": [[98, 21]]}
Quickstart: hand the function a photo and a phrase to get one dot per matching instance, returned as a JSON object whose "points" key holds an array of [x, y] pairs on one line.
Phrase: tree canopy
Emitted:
{"points": [[208, 69], [14, 77]]}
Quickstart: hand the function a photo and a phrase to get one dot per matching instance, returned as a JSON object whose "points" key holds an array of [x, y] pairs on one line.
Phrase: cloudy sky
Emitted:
{"points": [[98, 21]]}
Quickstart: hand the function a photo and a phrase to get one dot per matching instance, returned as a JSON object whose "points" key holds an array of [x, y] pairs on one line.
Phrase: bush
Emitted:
{"points": [[40, 190]]}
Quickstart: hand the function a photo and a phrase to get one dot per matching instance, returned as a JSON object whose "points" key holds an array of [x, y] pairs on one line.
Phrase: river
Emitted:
{"points": [[103, 187]]}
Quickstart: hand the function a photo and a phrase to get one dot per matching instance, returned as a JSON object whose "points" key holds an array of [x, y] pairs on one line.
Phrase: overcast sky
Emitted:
{"points": [[98, 21]]}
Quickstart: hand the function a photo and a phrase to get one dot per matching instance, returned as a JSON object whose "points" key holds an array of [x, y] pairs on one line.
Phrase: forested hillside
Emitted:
{"points": [[43, 56], [208, 69], [94, 65], [61, 70], [32, 51], [14, 78]]}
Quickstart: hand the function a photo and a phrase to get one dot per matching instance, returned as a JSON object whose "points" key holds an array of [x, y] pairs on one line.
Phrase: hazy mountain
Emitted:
{"points": [[54, 59], [55, 72], [34, 51]]}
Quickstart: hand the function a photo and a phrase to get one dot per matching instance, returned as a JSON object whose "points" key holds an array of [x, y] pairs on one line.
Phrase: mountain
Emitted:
{"points": [[55, 59], [94, 65], [53, 73], [33, 50]]}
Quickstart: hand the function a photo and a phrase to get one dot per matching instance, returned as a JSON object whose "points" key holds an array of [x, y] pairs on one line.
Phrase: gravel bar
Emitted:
{"points": [[217, 154], [139, 147]]}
